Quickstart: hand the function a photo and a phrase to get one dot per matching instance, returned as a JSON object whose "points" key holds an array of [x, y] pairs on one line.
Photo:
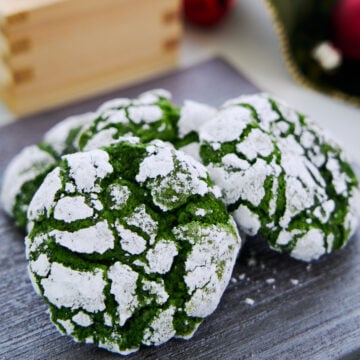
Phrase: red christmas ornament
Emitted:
{"points": [[346, 26], [206, 12]]}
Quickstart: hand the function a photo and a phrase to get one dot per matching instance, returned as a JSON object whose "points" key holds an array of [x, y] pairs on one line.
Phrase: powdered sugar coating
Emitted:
{"points": [[212, 253], [172, 176], [65, 287], [58, 135], [285, 177], [40, 266], [123, 287], [161, 328], [119, 195], [130, 240], [161, 256], [247, 220], [119, 269], [82, 319], [147, 117], [87, 168], [30, 163], [256, 143], [310, 246], [44, 198], [72, 208], [145, 114], [193, 150], [113, 104], [142, 220], [226, 126], [153, 95], [261, 105], [192, 116], [103, 138], [97, 238]]}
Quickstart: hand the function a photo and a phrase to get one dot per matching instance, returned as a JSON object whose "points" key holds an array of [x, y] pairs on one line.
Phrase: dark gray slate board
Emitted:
{"points": [[317, 319]]}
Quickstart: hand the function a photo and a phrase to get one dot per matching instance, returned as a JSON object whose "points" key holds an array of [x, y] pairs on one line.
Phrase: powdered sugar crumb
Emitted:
{"points": [[270, 281], [249, 301]]}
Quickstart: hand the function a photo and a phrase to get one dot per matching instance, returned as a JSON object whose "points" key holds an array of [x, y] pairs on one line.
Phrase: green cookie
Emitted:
{"points": [[129, 245]]}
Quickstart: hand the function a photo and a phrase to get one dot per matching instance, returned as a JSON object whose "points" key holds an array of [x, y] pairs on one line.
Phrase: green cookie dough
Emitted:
{"points": [[282, 176], [129, 245], [27, 170]]}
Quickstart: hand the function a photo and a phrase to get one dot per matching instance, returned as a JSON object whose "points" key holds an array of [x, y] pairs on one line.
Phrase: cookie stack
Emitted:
{"points": [[133, 211]]}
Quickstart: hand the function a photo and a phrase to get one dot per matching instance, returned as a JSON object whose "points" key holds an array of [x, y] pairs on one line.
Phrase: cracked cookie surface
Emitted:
{"points": [[282, 176], [27, 170], [150, 116], [129, 245]]}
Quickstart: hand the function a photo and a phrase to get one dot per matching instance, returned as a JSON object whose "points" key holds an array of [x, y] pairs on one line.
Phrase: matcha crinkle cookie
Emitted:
{"points": [[27, 170], [282, 176], [22, 177], [151, 116], [130, 245]]}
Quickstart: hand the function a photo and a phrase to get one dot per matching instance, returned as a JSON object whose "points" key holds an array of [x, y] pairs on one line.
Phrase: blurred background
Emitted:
{"points": [[306, 52]]}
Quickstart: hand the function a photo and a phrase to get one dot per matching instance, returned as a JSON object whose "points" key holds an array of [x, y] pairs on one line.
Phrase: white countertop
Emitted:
{"points": [[248, 41]]}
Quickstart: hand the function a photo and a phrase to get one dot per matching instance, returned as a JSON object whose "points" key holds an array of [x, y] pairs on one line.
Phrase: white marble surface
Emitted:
{"points": [[248, 41]]}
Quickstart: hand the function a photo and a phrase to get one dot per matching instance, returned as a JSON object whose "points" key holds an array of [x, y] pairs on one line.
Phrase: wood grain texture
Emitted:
{"points": [[59, 50], [317, 319]]}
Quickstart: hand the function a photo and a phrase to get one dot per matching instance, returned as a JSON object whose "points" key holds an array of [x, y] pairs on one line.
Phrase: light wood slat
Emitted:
{"points": [[76, 53], [72, 48], [21, 19], [47, 97]]}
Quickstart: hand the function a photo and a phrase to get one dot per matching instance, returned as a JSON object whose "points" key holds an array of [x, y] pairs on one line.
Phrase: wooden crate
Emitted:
{"points": [[53, 51]]}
